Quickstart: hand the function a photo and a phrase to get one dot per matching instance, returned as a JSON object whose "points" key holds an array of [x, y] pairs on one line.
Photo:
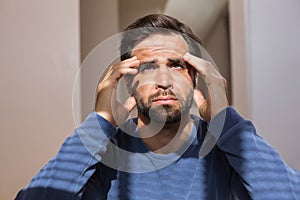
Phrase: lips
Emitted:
{"points": [[164, 99]]}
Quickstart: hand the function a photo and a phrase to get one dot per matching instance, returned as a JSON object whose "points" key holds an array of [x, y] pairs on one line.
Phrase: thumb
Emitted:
{"points": [[129, 104], [198, 98], [202, 105]]}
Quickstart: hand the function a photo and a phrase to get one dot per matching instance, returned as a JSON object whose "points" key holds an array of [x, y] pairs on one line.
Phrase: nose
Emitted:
{"points": [[164, 79]]}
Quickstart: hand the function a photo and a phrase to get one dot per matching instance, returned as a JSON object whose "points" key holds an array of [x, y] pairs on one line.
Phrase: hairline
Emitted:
{"points": [[159, 33]]}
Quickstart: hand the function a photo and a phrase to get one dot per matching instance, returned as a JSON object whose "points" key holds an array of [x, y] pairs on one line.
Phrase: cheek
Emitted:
{"points": [[183, 85], [183, 80], [142, 92], [144, 80]]}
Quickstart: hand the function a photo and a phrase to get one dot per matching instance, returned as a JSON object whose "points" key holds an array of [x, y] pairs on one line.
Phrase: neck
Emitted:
{"points": [[164, 138]]}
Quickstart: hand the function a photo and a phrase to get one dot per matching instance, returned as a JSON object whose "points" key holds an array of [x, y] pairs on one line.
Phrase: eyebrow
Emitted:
{"points": [[176, 60], [149, 62]]}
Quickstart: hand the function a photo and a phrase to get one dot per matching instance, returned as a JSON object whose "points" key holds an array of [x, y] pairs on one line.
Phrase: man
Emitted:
{"points": [[159, 155]]}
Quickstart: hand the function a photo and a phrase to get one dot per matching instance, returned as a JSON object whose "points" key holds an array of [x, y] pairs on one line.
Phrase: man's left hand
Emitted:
{"points": [[216, 99]]}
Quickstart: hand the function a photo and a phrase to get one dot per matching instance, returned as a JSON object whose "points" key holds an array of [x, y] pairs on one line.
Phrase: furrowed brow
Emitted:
{"points": [[178, 61], [149, 62]]}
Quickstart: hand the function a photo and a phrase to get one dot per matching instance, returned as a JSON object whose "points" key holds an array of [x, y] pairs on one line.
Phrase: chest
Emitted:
{"points": [[187, 178]]}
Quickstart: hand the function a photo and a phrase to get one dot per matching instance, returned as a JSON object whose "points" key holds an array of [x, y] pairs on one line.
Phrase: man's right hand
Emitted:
{"points": [[106, 104]]}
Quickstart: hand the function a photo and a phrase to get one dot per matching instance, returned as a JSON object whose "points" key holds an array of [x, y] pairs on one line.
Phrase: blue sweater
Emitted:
{"points": [[100, 161]]}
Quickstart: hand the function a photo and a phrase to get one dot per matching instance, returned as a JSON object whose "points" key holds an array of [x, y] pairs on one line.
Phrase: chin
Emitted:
{"points": [[167, 116]]}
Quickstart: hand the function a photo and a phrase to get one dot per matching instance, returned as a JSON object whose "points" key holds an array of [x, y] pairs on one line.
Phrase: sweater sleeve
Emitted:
{"points": [[64, 176], [259, 167]]}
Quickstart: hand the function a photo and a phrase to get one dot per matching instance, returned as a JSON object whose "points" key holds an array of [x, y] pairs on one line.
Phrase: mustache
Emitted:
{"points": [[162, 93]]}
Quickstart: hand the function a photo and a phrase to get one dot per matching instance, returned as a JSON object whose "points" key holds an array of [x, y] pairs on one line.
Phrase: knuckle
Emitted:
{"points": [[188, 58], [224, 81], [206, 63]]}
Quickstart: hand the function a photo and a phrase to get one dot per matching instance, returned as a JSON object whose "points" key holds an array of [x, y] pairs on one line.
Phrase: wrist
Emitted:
{"points": [[107, 116]]}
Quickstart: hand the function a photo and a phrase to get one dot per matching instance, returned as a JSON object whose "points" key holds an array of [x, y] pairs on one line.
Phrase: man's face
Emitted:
{"points": [[163, 85]]}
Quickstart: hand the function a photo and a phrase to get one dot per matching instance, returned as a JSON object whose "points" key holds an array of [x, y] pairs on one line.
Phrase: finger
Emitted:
{"points": [[112, 80], [202, 66], [131, 62], [202, 105], [129, 104], [195, 62], [206, 69], [125, 67], [198, 98], [128, 63], [130, 59], [118, 73]]}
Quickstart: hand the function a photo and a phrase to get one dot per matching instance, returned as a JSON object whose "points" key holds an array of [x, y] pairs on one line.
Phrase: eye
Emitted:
{"points": [[177, 66]]}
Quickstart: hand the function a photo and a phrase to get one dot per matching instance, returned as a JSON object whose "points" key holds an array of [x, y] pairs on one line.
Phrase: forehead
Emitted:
{"points": [[172, 44]]}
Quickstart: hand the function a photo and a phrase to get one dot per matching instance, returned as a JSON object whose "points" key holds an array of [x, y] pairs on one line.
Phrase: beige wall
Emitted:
{"points": [[99, 20], [239, 76], [273, 71], [265, 70], [39, 59], [129, 10], [218, 47]]}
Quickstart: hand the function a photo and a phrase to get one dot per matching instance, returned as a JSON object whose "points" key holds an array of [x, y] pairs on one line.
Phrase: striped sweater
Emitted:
{"points": [[223, 160]]}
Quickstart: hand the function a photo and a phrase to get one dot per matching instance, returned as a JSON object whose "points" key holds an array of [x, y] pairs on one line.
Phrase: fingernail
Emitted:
{"points": [[187, 53]]}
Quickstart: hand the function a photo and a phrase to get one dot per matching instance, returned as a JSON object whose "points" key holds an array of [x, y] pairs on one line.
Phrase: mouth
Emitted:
{"points": [[164, 100]]}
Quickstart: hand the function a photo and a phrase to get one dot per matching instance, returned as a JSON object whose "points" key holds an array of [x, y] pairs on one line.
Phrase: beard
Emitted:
{"points": [[164, 113]]}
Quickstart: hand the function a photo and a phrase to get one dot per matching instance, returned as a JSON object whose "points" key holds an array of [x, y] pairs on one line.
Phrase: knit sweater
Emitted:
{"points": [[224, 159]]}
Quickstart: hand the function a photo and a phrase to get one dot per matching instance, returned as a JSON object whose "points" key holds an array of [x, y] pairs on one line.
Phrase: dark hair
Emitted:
{"points": [[156, 24], [153, 24]]}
